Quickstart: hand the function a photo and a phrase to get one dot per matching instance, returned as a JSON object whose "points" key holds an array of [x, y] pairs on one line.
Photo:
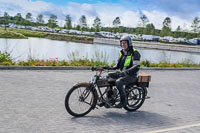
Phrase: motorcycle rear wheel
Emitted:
{"points": [[135, 98]]}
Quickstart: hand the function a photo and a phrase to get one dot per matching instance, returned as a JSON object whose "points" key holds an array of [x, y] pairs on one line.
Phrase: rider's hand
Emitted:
{"points": [[123, 74]]}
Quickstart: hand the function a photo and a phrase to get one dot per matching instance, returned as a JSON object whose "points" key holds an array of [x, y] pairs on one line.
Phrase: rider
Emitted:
{"points": [[129, 65]]}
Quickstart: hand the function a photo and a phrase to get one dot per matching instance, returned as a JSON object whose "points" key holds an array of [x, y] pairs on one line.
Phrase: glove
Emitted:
{"points": [[123, 74]]}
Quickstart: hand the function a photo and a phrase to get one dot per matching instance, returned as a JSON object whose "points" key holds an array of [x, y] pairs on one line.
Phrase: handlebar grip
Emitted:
{"points": [[93, 68], [105, 67], [96, 68], [108, 68]]}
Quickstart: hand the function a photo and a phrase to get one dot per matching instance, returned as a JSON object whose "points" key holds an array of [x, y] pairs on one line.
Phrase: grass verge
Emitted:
{"points": [[11, 34], [24, 34]]}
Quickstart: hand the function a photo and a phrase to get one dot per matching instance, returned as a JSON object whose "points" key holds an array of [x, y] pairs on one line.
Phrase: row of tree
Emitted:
{"points": [[19, 20], [144, 26]]}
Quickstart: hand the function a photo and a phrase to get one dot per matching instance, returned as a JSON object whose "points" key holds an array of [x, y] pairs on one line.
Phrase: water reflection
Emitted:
{"points": [[44, 49]]}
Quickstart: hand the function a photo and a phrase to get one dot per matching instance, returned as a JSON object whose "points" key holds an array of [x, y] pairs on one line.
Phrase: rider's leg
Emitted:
{"points": [[123, 101], [120, 86]]}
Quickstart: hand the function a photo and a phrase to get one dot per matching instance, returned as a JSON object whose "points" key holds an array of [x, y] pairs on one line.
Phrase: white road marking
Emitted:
{"points": [[174, 128]]}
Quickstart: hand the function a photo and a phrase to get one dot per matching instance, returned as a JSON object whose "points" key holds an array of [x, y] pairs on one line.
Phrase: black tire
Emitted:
{"points": [[89, 93], [138, 98]]}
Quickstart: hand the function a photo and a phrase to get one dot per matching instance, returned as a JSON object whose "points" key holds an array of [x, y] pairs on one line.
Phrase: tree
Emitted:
{"points": [[196, 25], [83, 21], [19, 15], [122, 29], [18, 19], [92, 29], [77, 27], [29, 17], [116, 22], [150, 29], [40, 19], [167, 22], [28, 20], [139, 30], [178, 29], [5, 20], [6, 14], [97, 24], [52, 21], [144, 20], [68, 21], [166, 30]]}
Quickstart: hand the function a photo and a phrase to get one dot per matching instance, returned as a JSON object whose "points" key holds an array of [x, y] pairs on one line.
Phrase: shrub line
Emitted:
{"points": [[78, 68]]}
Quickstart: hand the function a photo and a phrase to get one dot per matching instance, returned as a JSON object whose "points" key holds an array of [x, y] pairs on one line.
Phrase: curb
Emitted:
{"points": [[42, 68], [78, 68], [167, 68]]}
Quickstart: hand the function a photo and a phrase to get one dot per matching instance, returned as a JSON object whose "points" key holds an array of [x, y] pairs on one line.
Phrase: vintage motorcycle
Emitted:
{"points": [[101, 91]]}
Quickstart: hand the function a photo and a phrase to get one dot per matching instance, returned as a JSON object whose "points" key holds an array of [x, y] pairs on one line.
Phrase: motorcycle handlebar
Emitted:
{"points": [[100, 68], [96, 68]]}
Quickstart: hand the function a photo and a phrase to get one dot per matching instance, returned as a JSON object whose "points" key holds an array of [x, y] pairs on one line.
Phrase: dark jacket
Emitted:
{"points": [[134, 66]]}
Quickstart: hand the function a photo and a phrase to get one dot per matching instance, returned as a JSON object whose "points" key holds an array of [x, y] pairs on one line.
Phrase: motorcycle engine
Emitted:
{"points": [[111, 94]]}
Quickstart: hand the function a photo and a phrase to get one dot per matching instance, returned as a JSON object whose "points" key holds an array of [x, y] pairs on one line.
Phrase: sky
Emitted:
{"points": [[181, 12]]}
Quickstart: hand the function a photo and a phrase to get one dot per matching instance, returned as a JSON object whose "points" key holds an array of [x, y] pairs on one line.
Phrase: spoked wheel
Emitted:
{"points": [[135, 98], [80, 100]]}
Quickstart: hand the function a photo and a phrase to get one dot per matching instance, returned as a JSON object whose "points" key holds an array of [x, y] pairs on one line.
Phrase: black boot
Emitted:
{"points": [[123, 101]]}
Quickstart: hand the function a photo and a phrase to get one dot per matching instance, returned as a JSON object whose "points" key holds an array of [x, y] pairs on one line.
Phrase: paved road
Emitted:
{"points": [[33, 101]]}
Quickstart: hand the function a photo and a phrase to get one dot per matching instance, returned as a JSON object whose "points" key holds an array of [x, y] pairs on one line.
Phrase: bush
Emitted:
{"points": [[5, 57], [6, 63], [145, 63]]}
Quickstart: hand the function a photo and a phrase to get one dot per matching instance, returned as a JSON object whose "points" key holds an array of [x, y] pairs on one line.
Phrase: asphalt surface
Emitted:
{"points": [[33, 102]]}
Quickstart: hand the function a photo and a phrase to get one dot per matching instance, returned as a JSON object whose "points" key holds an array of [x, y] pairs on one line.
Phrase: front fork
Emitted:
{"points": [[92, 88]]}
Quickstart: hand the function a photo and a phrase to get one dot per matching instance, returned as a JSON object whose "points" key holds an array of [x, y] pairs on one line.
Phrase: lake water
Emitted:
{"points": [[46, 49]]}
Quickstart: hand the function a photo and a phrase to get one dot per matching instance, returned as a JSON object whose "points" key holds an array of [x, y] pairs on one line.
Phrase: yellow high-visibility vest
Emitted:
{"points": [[128, 59]]}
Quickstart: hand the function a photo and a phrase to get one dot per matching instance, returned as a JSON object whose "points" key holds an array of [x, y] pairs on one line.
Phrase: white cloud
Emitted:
{"points": [[24, 6], [157, 19], [184, 24], [106, 12], [130, 18], [76, 10]]}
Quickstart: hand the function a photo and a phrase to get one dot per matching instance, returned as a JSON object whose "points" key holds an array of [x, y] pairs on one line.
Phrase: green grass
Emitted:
{"points": [[29, 33], [11, 34], [24, 34], [72, 38], [185, 63], [81, 62], [86, 62]]}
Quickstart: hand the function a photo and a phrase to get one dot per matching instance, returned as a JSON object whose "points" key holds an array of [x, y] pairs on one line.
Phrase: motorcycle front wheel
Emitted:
{"points": [[80, 100]]}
